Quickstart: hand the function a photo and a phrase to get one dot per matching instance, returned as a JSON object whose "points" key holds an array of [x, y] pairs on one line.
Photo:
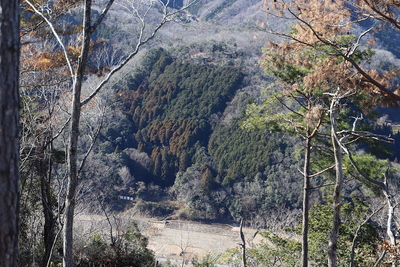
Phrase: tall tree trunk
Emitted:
{"points": [[73, 142], [337, 151], [391, 207], [47, 203], [243, 245], [76, 109], [390, 219], [9, 132], [306, 202]]}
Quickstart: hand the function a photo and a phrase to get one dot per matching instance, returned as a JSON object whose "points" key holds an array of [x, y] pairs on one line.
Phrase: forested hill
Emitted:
{"points": [[170, 109], [226, 110], [175, 122], [175, 127]]}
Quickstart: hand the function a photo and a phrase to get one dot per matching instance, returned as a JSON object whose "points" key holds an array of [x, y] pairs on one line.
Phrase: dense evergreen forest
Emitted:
{"points": [[231, 113]]}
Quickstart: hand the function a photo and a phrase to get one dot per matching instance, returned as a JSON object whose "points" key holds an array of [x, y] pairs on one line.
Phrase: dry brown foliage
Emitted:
{"points": [[383, 10], [316, 47], [392, 250]]}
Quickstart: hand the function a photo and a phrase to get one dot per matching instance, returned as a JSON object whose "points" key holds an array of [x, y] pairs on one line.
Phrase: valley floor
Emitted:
{"points": [[176, 240]]}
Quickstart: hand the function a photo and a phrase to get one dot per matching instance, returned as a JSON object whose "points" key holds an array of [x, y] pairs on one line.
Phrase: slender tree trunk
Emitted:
{"points": [[337, 150], [390, 223], [78, 77], [390, 219], [73, 143], [9, 132], [243, 245], [391, 206], [47, 203], [306, 202]]}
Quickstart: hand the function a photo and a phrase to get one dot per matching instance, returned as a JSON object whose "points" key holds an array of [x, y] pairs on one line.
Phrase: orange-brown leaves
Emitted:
{"points": [[307, 69], [393, 250], [41, 60], [383, 10], [74, 50], [65, 5], [330, 73], [321, 19], [376, 96], [314, 115], [44, 60], [317, 55], [178, 135], [316, 19]]}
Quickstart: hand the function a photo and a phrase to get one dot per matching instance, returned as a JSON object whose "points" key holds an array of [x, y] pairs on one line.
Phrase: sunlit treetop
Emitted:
{"points": [[322, 53]]}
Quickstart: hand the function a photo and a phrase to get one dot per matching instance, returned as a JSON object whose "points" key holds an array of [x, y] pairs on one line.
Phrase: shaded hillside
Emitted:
{"points": [[176, 120], [175, 123], [169, 107]]}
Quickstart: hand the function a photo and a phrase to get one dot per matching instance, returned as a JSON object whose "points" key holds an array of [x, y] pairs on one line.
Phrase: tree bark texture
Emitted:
{"points": [[73, 142], [306, 202], [390, 218], [9, 132], [243, 245], [45, 167], [391, 206], [337, 151]]}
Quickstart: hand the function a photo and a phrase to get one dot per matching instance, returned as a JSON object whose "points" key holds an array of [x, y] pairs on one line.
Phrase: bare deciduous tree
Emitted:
{"points": [[78, 72]]}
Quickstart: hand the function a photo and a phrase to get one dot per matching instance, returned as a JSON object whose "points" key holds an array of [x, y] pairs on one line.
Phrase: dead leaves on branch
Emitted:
{"points": [[52, 8], [321, 20], [320, 54], [393, 250], [385, 11], [302, 70], [33, 24], [314, 115], [315, 18], [44, 60]]}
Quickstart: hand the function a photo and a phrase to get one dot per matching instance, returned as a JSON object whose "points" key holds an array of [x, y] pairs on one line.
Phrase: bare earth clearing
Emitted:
{"points": [[173, 240]]}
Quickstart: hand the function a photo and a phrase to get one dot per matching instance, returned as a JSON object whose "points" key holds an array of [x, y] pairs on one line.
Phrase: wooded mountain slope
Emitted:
{"points": [[176, 124], [193, 128]]}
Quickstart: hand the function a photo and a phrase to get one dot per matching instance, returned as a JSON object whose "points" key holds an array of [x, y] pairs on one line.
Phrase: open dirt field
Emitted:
{"points": [[182, 239], [176, 240]]}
